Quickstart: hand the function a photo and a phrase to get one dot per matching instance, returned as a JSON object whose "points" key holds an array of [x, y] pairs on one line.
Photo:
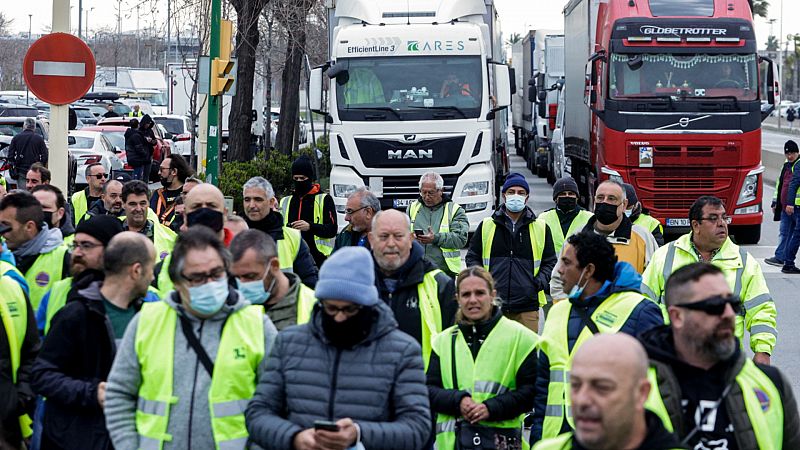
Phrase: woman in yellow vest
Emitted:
{"points": [[482, 371]]}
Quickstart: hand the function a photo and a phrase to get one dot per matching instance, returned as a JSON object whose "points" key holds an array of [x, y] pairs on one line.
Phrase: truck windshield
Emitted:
{"points": [[683, 76], [417, 88]]}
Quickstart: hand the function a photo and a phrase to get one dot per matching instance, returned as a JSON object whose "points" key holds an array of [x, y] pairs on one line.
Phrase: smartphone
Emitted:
{"points": [[419, 232], [325, 425]]}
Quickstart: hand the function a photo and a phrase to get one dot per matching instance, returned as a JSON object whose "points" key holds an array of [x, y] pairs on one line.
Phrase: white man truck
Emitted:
{"points": [[416, 86]]}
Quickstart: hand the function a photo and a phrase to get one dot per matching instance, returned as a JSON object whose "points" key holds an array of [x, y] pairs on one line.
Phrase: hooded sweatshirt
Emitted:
{"points": [[190, 421]]}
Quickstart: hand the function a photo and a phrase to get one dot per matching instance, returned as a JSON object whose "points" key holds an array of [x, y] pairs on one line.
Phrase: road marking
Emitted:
{"points": [[59, 68]]}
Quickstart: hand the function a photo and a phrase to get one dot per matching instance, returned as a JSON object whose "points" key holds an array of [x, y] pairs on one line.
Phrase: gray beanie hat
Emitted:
{"points": [[348, 275], [563, 185]]}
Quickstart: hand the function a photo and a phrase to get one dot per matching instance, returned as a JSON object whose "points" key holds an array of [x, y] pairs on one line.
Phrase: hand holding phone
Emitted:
{"points": [[419, 232]]}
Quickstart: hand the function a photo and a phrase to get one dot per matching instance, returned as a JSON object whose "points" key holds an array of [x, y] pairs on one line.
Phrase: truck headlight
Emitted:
{"points": [[749, 190], [343, 190], [475, 188], [472, 207]]}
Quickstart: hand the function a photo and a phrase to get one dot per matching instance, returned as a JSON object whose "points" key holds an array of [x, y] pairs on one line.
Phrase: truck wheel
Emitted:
{"points": [[746, 234]]}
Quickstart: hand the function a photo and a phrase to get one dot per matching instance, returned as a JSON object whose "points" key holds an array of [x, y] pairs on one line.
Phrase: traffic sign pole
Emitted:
{"points": [[214, 101], [58, 160]]}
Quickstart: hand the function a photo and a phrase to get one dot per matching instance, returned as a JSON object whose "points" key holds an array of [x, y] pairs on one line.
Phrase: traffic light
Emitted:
{"points": [[221, 78]]}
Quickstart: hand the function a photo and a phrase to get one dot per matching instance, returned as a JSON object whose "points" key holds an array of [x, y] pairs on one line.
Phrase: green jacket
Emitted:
{"points": [[456, 238]]}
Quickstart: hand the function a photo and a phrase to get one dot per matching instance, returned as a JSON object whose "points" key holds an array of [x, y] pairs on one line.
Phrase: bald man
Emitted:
{"points": [[408, 282], [608, 388]]}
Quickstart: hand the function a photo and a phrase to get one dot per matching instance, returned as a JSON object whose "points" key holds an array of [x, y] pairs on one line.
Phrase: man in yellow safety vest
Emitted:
{"points": [[188, 365], [705, 388]]}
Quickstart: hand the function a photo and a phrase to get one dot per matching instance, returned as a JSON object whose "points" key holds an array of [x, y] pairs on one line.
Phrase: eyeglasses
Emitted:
{"points": [[100, 176], [715, 218], [350, 212], [200, 278], [84, 246], [333, 310], [715, 305]]}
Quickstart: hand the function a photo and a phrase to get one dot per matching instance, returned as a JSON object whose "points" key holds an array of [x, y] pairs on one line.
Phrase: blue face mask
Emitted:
{"points": [[515, 203], [254, 291], [208, 298], [577, 290]]}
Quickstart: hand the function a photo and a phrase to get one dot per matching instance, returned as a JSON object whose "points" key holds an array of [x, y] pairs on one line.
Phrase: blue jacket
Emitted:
{"points": [[794, 185], [645, 316]]}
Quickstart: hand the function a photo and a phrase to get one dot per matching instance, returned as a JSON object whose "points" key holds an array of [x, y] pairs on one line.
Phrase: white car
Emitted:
{"points": [[89, 147], [275, 117], [180, 127]]}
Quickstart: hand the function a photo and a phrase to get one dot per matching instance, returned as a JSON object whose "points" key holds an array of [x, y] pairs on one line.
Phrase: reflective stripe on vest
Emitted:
{"points": [[325, 246], [80, 205], [649, 223], [288, 247], [762, 403], [241, 349], [551, 219], [305, 304], [609, 317], [14, 316], [537, 233], [45, 271], [429, 312], [493, 372], [452, 256], [57, 300]]}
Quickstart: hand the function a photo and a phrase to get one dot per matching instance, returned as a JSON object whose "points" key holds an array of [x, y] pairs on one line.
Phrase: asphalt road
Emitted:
{"points": [[784, 288]]}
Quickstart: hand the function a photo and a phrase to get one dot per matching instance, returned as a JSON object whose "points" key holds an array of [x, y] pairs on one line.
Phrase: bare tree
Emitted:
{"points": [[247, 38], [5, 24]]}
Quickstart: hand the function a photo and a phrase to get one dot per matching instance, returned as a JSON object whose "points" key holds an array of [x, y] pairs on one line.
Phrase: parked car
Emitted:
{"points": [[10, 127], [181, 129], [85, 115], [89, 147], [14, 110]]}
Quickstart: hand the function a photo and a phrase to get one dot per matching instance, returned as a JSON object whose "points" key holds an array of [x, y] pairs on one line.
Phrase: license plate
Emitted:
{"points": [[403, 202], [678, 223]]}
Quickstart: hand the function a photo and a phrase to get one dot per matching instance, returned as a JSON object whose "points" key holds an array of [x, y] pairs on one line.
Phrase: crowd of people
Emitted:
{"points": [[139, 320]]}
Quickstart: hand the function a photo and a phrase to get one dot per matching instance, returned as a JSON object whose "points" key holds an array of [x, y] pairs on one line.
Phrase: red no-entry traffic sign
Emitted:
{"points": [[59, 68]]}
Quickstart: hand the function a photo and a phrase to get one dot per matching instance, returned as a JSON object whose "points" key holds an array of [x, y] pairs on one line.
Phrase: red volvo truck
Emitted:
{"points": [[666, 95]]}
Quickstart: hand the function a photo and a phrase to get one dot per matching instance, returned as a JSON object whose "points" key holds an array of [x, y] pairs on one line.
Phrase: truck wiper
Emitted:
{"points": [[653, 97], [378, 108], [719, 97], [448, 108]]}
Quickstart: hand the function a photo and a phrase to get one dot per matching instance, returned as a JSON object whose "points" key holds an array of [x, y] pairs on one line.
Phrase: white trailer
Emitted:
{"points": [[416, 85]]}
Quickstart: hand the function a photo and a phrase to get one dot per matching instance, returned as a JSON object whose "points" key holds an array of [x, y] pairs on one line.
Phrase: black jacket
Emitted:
{"points": [[137, 149], [683, 387], [301, 207], [76, 356], [502, 407], [24, 150], [511, 261], [16, 399], [658, 438], [404, 299], [304, 265]]}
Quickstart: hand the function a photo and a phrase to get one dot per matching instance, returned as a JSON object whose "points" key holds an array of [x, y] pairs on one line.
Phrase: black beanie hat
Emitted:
{"points": [[790, 147], [303, 166], [630, 193], [102, 228], [563, 185]]}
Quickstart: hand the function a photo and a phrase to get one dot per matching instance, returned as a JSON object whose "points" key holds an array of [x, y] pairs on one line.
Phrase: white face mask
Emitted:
{"points": [[515, 203]]}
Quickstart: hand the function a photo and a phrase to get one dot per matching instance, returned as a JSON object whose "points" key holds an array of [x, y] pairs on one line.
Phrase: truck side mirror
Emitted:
{"points": [[512, 74], [542, 95], [773, 87], [315, 90], [532, 95], [542, 109], [503, 78]]}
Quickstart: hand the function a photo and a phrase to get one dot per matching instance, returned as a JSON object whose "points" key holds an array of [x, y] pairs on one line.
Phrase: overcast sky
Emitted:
{"points": [[516, 15]]}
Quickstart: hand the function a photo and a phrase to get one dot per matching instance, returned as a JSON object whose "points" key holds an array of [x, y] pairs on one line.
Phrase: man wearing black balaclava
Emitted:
{"points": [[632, 243], [311, 211]]}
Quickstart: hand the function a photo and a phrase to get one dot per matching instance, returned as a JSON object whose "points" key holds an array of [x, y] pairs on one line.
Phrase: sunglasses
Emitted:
{"points": [[100, 176], [715, 305]]}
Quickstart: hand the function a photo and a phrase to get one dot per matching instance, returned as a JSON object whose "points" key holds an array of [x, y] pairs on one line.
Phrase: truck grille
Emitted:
{"points": [[683, 204], [407, 187]]}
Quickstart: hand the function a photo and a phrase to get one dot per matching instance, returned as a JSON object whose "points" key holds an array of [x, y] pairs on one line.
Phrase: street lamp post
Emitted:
{"points": [[86, 24]]}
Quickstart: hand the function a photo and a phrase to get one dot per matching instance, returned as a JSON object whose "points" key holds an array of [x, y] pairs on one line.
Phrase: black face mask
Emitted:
{"points": [[205, 216], [302, 187], [351, 331], [48, 218], [606, 213], [566, 204]]}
